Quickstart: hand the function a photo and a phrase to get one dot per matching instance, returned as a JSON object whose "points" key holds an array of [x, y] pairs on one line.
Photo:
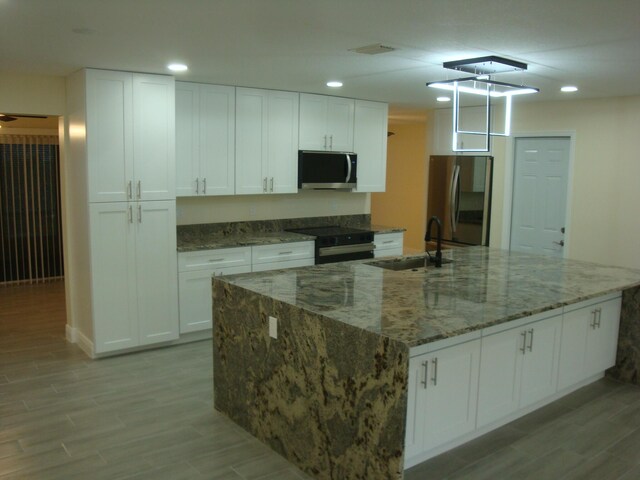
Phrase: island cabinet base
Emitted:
{"points": [[329, 397]]}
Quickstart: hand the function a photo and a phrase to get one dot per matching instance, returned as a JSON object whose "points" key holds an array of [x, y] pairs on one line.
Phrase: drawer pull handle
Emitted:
{"points": [[213, 260], [434, 379], [285, 253], [388, 241], [425, 377]]}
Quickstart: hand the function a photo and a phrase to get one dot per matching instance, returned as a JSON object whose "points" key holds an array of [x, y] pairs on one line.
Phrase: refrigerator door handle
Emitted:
{"points": [[453, 200]]}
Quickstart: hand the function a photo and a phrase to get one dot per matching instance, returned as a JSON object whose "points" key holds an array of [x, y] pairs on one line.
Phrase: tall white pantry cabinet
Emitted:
{"points": [[121, 144]]}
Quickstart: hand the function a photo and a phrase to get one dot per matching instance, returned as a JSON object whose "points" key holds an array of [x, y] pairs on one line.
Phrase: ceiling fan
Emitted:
{"points": [[10, 118]]}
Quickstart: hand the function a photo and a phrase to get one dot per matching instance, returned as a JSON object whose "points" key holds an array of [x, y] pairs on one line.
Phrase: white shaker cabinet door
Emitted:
{"points": [[340, 123], [156, 271], [217, 140], [109, 135], [154, 137], [282, 141], [187, 139], [500, 375], [251, 144], [113, 276], [370, 143], [313, 122], [452, 393], [540, 366], [602, 342]]}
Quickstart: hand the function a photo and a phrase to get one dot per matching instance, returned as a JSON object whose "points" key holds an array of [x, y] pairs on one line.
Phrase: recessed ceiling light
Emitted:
{"points": [[569, 88], [334, 84], [443, 99], [177, 67]]}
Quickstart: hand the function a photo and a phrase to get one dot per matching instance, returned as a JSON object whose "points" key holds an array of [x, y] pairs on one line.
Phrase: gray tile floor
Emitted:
{"points": [[149, 415]]}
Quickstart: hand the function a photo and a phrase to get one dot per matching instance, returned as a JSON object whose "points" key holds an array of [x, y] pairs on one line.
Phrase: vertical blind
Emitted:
{"points": [[30, 217]]}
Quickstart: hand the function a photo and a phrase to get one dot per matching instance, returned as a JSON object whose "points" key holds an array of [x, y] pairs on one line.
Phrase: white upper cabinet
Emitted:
{"points": [[130, 136], [370, 144], [266, 141], [205, 139], [109, 135], [154, 146], [326, 123]]}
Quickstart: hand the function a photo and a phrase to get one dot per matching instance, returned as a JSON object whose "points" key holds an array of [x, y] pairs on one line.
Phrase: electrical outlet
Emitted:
{"points": [[273, 327]]}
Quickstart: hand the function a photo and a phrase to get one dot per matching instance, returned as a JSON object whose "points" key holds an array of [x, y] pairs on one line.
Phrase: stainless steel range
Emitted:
{"points": [[339, 244]]}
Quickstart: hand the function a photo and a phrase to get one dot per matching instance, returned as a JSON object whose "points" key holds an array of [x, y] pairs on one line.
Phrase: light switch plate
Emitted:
{"points": [[273, 327]]}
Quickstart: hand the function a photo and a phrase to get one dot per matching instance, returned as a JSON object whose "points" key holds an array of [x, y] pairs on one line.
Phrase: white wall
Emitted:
{"points": [[194, 210], [605, 198]]}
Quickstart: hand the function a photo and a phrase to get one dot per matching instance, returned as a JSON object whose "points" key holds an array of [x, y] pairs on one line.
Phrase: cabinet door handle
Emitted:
{"points": [[264, 184], [330, 142], [139, 188], [593, 318], [129, 190], [523, 349], [599, 314], [204, 186], [271, 189], [425, 366], [530, 347], [434, 379], [325, 142], [197, 186], [130, 214], [139, 213]]}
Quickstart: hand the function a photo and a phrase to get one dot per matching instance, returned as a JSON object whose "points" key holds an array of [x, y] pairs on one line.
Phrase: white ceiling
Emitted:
{"points": [[300, 44]]}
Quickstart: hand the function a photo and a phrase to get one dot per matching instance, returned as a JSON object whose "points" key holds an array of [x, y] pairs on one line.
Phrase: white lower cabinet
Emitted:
{"points": [[133, 274], [519, 367], [459, 392], [196, 270], [388, 244], [442, 396], [589, 339]]}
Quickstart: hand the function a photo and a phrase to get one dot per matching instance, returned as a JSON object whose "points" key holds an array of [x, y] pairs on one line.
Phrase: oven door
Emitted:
{"points": [[343, 253]]}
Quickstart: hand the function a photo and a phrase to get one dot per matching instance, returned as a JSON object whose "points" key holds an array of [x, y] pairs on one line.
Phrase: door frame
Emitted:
{"points": [[509, 171]]}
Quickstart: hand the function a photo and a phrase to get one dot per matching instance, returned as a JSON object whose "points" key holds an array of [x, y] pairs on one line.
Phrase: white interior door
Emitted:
{"points": [[539, 209]]}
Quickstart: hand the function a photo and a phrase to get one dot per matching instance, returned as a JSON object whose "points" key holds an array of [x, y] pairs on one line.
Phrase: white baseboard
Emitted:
{"points": [[70, 333]]}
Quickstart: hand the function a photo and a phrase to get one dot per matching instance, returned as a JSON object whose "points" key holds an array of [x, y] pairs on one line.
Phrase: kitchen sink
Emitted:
{"points": [[414, 263]]}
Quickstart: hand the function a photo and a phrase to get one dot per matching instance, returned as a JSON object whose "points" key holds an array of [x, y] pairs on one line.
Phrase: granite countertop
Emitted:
{"points": [[481, 287], [210, 242], [202, 240]]}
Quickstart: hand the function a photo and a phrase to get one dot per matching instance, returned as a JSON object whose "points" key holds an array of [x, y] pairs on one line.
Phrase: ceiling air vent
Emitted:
{"points": [[374, 49]]}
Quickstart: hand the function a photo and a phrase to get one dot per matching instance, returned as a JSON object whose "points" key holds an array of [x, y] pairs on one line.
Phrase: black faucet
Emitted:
{"points": [[427, 238]]}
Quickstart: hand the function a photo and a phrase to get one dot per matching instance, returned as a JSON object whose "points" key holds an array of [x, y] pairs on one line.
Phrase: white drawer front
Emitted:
{"points": [[214, 259], [388, 240], [282, 252], [388, 244], [302, 262]]}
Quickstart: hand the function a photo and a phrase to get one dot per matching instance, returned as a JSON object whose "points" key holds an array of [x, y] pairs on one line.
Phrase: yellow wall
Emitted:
{"points": [[604, 197], [403, 203], [32, 94]]}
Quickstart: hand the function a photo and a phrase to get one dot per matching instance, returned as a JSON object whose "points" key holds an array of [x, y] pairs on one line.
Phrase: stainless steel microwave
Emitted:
{"points": [[327, 170]]}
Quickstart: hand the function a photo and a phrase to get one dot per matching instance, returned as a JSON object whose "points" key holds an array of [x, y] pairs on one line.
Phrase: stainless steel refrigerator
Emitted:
{"points": [[460, 196]]}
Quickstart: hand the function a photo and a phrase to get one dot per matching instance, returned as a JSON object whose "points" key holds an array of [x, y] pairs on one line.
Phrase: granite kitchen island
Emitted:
{"points": [[315, 361]]}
